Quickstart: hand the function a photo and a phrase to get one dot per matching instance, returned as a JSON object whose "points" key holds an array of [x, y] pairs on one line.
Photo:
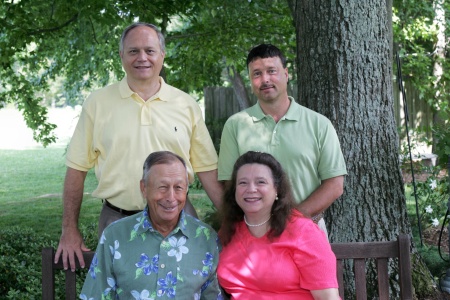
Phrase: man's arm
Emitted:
{"points": [[326, 294], [212, 186], [71, 242], [322, 197]]}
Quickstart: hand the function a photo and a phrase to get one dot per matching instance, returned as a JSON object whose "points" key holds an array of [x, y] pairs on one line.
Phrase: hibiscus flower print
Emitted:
{"points": [[112, 286], [207, 265], [114, 251], [144, 295], [93, 266], [145, 266], [167, 286], [178, 247]]}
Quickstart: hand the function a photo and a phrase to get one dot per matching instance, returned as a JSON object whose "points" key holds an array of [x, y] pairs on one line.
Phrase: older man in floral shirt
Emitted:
{"points": [[160, 252]]}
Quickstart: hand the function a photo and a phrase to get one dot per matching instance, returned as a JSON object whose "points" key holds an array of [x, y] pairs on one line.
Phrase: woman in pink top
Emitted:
{"points": [[270, 250]]}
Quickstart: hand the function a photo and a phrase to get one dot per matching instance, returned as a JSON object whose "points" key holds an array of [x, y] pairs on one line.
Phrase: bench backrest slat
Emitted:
{"points": [[359, 252]]}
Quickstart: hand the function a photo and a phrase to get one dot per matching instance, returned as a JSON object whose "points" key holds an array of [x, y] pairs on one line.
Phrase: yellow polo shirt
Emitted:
{"points": [[117, 130]]}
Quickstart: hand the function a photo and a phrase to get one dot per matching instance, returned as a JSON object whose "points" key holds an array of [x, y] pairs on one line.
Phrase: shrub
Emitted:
{"points": [[20, 262], [432, 197]]}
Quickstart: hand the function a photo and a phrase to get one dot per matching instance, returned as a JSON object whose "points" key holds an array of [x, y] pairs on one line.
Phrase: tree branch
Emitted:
{"points": [[93, 30], [55, 28]]}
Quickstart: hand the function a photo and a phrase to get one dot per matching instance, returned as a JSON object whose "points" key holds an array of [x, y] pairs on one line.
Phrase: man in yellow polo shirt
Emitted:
{"points": [[119, 126]]}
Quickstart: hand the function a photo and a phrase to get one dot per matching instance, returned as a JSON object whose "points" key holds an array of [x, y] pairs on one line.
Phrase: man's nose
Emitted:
{"points": [[142, 55], [171, 195], [265, 77]]}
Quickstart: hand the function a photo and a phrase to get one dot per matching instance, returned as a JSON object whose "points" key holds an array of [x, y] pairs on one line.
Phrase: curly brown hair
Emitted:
{"points": [[281, 209]]}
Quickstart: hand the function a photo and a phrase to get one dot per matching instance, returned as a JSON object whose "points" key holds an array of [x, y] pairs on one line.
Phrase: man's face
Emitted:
{"points": [[269, 79], [165, 193], [141, 56]]}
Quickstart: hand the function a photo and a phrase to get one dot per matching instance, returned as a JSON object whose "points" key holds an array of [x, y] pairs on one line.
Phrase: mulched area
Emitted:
{"points": [[430, 236], [420, 176]]}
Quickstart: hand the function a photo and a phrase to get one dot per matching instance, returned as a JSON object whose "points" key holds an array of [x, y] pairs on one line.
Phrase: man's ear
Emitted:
{"points": [[142, 186]]}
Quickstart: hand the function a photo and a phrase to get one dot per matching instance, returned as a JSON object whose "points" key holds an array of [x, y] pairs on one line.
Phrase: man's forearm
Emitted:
{"points": [[213, 188], [322, 197], [72, 197]]}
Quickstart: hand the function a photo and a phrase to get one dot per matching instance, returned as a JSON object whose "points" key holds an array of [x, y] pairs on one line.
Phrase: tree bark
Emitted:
{"points": [[345, 73], [239, 88]]}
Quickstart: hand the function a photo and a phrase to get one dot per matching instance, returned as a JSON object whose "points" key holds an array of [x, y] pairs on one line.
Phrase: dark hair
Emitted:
{"points": [[281, 208], [134, 25], [160, 158], [265, 51]]}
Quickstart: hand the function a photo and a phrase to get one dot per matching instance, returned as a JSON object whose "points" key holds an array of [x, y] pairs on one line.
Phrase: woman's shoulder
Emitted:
{"points": [[296, 217], [298, 223]]}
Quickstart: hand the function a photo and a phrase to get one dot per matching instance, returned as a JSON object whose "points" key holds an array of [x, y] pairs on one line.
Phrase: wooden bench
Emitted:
{"points": [[358, 252], [48, 274]]}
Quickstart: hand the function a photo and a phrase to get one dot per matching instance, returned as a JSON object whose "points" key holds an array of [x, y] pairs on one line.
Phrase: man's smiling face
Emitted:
{"points": [[142, 57], [268, 78], [165, 193]]}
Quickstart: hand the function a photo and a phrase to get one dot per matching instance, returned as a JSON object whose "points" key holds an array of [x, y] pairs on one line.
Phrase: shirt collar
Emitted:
{"points": [[145, 224], [163, 94], [293, 112]]}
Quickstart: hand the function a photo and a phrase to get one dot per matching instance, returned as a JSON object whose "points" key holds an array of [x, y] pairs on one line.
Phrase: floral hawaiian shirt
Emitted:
{"points": [[134, 261]]}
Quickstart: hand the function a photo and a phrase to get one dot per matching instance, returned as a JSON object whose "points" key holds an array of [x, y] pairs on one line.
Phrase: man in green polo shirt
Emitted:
{"points": [[303, 141]]}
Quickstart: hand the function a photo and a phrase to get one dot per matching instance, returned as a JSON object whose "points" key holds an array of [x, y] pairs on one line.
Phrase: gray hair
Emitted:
{"points": [[161, 158], [134, 25]]}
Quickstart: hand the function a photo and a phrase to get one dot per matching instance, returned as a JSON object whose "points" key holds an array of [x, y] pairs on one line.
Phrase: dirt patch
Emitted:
{"points": [[420, 176], [433, 236]]}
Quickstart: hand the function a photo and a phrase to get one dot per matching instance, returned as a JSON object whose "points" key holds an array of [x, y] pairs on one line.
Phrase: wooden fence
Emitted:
{"points": [[221, 103]]}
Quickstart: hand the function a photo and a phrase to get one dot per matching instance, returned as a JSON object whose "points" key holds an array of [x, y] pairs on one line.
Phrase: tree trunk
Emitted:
{"points": [[239, 88], [345, 73]]}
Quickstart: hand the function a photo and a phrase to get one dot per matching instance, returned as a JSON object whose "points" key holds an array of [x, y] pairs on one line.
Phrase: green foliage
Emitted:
{"points": [[20, 258], [89, 232], [20, 264], [197, 185], [215, 127], [434, 261], [212, 217], [72, 48], [416, 28], [441, 135], [432, 195], [202, 48]]}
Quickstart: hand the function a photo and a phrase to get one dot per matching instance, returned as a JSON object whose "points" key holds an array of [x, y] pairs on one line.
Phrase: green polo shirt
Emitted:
{"points": [[303, 141]]}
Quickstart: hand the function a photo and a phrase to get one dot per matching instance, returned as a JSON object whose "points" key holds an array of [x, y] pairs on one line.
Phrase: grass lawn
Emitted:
{"points": [[31, 183]]}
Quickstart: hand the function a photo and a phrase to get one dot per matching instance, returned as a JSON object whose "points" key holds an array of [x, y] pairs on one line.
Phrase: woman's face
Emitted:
{"points": [[255, 189]]}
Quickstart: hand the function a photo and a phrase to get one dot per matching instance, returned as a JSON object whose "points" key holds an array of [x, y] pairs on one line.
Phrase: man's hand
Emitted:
{"points": [[322, 197], [71, 244]]}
